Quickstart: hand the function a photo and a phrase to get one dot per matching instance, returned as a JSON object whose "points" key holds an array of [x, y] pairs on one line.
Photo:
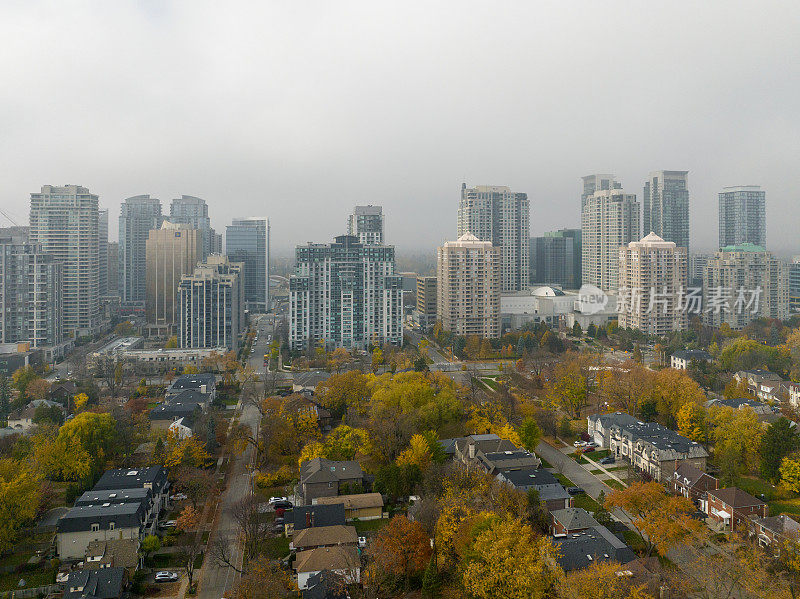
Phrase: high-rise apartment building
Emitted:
{"points": [[665, 209], [593, 183], [211, 305], [345, 294], [189, 210], [498, 215], [697, 268], [742, 283], [556, 259], [247, 241], [794, 285], [742, 216], [172, 251], [138, 215], [30, 293], [64, 222], [366, 223], [468, 287], [610, 220], [102, 248], [113, 268], [652, 284], [426, 300]]}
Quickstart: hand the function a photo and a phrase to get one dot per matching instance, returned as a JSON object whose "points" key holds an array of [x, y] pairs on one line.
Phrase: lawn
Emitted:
{"points": [[756, 487], [563, 479], [585, 502], [35, 578], [369, 525], [491, 383], [545, 463], [276, 547], [614, 484]]}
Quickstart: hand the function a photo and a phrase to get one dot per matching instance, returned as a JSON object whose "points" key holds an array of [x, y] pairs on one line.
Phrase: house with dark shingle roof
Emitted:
{"points": [[84, 524], [342, 560], [494, 462], [551, 492], [326, 478], [571, 520], [103, 583], [114, 553], [204, 382], [681, 359], [732, 508], [324, 536], [467, 448], [773, 531], [309, 516], [599, 426], [578, 551], [692, 483], [152, 477]]}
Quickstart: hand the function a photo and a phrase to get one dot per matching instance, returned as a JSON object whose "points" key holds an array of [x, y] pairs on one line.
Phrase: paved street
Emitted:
{"points": [[216, 581]]}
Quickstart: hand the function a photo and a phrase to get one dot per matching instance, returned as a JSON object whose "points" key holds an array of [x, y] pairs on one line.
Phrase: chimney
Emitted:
{"points": [[472, 451]]}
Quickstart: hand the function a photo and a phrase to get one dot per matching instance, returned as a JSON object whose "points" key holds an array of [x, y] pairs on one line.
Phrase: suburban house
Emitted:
{"points": [[765, 385], [571, 520], [191, 396], [83, 524], [468, 448], [362, 506], [580, 550], [22, 420], [152, 477], [324, 536], [773, 531], [551, 492], [794, 394], [324, 585], [162, 416], [63, 391], [115, 553], [764, 411], [343, 561], [327, 478], [104, 583], [654, 449], [204, 382], [681, 359], [599, 426], [496, 461], [732, 507], [692, 483], [312, 516], [119, 496]]}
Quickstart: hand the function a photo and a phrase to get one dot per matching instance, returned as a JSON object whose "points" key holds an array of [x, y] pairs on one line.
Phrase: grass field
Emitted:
{"points": [[369, 525], [35, 578]]}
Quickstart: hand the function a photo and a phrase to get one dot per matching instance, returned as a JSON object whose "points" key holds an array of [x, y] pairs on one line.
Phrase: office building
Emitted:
{"points": [[742, 216], [102, 248], [64, 222], [172, 251], [138, 215], [652, 281], [247, 242], [30, 294], [189, 210], [468, 286], [556, 259], [113, 268], [345, 294], [742, 283], [366, 223], [211, 305], [498, 215], [426, 301], [665, 209], [593, 183], [610, 220], [794, 285]]}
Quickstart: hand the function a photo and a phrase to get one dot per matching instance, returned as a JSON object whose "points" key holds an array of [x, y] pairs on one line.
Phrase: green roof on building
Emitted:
{"points": [[743, 247]]}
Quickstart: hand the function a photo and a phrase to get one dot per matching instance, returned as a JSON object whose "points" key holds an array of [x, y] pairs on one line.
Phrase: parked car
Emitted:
{"points": [[587, 448], [591, 444], [165, 576], [286, 505], [576, 491], [178, 497], [579, 443], [280, 520], [273, 500], [608, 460], [362, 542], [168, 524]]}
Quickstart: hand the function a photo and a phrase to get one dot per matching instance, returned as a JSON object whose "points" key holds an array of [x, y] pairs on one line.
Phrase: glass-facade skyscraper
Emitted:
{"points": [[247, 242], [665, 209], [138, 215], [742, 216]]}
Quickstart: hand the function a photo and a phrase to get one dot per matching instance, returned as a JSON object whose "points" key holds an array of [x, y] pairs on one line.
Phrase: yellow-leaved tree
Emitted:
{"points": [[790, 473], [20, 486], [692, 421], [418, 453]]}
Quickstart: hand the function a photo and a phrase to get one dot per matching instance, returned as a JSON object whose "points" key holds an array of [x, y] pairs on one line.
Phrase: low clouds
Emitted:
{"points": [[300, 110]]}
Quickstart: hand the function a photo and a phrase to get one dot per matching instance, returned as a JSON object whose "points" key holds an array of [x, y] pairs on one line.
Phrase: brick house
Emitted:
{"points": [[775, 530], [328, 478], [732, 508], [691, 482], [571, 520]]}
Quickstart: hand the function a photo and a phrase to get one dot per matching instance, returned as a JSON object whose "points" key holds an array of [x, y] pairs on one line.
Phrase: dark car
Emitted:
{"points": [[587, 449], [576, 491], [282, 505], [608, 460]]}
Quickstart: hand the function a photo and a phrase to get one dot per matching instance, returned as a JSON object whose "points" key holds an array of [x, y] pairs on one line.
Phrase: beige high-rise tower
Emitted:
{"points": [[468, 281], [652, 281], [171, 252]]}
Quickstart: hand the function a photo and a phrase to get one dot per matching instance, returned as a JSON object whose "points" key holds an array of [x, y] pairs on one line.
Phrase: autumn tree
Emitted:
{"points": [[508, 560], [570, 387], [265, 579], [662, 520], [418, 453], [338, 358], [343, 391], [692, 421], [20, 486], [530, 434], [190, 544], [150, 544], [187, 452], [790, 473], [737, 438], [600, 580], [399, 554]]}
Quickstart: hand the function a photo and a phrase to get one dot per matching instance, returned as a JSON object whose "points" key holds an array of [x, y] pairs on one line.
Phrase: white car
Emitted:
{"points": [[165, 576], [579, 444], [169, 524], [362, 542], [178, 497], [277, 499]]}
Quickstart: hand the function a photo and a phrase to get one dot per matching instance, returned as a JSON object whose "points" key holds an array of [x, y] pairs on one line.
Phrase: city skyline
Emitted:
{"points": [[254, 145]]}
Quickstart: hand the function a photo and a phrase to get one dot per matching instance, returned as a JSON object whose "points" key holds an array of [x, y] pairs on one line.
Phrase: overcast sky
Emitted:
{"points": [[299, 110]]}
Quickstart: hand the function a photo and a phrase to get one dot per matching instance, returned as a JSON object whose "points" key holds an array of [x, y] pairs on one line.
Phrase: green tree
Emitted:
{"points": [[778, 441], [577, 331], [431, 582], [530, 433], [150, 544], [5, 396]]}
